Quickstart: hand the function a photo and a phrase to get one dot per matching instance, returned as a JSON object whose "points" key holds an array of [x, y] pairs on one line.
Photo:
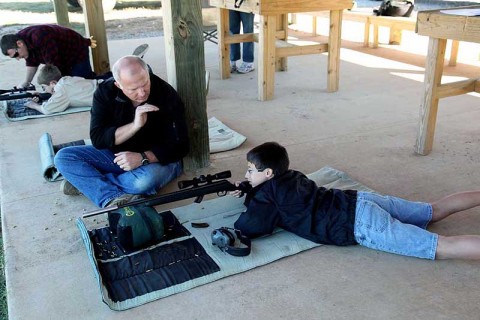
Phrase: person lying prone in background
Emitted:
{"points": [[66, 91]]}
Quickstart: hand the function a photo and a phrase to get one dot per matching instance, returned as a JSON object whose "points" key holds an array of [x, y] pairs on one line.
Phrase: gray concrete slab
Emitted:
{"points": [[366, 129]]}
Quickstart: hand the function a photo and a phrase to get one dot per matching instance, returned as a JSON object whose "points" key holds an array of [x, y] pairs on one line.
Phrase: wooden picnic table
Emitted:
{"points": [[439, 26], [273, 49]]}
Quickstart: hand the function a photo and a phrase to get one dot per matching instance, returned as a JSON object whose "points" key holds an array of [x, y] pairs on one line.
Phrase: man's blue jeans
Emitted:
{"points": [[83, 69], [93, 172], [247, 24]]}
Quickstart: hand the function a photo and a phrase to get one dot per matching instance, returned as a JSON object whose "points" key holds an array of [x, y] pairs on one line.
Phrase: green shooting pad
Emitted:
{"points": [[222, 212]]}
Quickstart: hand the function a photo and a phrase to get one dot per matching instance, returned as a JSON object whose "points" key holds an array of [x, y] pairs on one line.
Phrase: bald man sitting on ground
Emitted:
{"points": [[139, 138]]}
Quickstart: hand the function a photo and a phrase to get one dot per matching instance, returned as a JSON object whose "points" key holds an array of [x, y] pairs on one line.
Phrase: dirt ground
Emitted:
{"points": [[128, 20]]}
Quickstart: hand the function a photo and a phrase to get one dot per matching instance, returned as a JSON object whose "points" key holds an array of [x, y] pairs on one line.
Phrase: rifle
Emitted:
{"points": [[30, 87], [20, 93], [194, 188]]}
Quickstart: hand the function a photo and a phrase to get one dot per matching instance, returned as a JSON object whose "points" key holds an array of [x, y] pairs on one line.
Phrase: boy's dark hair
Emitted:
{"points": [[48, 73], [269, 155], [9, 41]]}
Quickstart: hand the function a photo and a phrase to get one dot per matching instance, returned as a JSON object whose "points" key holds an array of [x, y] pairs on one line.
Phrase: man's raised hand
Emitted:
{"points": [[141, 113]]}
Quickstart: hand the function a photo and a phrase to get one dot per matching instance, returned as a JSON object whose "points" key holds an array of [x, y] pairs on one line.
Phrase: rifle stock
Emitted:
{"points": [[220, 187]]}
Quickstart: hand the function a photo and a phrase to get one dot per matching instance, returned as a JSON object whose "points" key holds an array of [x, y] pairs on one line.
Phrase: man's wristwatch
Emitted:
{"points": [[144, 159]]}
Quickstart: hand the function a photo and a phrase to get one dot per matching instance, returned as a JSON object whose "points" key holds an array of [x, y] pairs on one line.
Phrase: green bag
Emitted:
{"points": [[137, 226]]}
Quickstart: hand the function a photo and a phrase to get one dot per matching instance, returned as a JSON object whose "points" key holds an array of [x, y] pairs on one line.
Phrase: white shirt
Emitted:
{"points": [[70, 92]]}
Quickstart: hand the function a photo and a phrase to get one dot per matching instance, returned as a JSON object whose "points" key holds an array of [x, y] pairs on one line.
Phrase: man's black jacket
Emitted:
{"points": [[165, 132]]}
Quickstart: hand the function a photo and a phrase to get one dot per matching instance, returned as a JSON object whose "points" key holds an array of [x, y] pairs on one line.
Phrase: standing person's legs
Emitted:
{"points": [[83, 69], [247, 27], [234, 17]]}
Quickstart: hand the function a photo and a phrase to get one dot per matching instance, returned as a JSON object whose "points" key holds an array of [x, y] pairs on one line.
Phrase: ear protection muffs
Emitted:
{"points": [[224, 239]]}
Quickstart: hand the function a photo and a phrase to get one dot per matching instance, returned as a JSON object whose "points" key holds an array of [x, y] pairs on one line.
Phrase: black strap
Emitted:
{"points": [[239, 252], [238, 3]]}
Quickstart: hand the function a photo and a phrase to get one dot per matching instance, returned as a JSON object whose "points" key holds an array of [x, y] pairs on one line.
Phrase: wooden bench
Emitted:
{"points": [[395, 25]]}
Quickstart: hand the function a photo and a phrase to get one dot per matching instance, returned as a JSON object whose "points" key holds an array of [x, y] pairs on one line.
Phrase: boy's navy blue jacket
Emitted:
{"points": [[295, 203]]}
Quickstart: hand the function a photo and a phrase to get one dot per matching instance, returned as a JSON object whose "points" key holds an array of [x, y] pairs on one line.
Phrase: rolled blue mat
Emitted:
{"points": [[45, 145], [47, 153]]}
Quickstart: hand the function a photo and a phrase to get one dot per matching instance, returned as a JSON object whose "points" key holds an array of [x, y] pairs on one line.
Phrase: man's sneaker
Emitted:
{"points": [[246, 67], [233, 66], [140, 50], [68, 189], [123, 199]]}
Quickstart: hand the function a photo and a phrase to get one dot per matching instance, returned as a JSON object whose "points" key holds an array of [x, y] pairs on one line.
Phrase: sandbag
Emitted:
{"points": [[137, 227]]}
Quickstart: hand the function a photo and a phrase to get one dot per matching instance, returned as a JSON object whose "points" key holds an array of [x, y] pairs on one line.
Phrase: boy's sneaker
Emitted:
{"points": [[140, 50], [246, 67], [233, 66], [68, 189]]}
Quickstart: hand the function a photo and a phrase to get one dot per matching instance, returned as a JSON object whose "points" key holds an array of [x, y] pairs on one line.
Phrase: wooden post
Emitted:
{"points": [[223, 30], [61, 12], [184, 48], [334, 43], [266, 57], [95, 27]]}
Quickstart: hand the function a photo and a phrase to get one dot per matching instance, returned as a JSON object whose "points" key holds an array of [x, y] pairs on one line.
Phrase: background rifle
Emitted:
{"points": [[20, 93], [195, 188], [30, 87]]}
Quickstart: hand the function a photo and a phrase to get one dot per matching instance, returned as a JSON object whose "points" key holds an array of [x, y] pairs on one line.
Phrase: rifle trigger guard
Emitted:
{"points": [[221, 193], [198, 199]]}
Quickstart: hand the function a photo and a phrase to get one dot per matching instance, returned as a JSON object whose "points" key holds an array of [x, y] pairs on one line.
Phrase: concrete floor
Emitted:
{"points": [[366, 129]]}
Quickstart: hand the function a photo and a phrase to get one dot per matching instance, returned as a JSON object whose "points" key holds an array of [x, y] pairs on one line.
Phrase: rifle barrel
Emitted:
{"points": [[213, 187], [21, 95]]}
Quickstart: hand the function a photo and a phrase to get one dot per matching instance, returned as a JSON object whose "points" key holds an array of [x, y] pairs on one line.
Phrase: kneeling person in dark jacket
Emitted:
{"points": [[288, 199]]}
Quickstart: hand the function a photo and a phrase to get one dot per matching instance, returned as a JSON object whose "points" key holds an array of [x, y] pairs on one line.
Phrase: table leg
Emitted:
{"points": [[452, 61], [266, 57], [366, 34], [375, 36], [429, 106], [395, 35], [223, 49], [282, 25], [334, 41]]}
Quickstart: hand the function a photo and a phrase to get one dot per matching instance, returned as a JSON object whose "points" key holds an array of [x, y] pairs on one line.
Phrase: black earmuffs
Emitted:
{"points": [[224, 239]]}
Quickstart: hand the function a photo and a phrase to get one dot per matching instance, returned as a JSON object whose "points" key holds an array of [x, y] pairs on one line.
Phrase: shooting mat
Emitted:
{"points": [[188, 259], [15, 111]]}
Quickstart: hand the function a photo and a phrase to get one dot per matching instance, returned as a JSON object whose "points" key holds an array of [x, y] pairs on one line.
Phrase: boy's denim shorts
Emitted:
{"points": [[394, 225]]}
